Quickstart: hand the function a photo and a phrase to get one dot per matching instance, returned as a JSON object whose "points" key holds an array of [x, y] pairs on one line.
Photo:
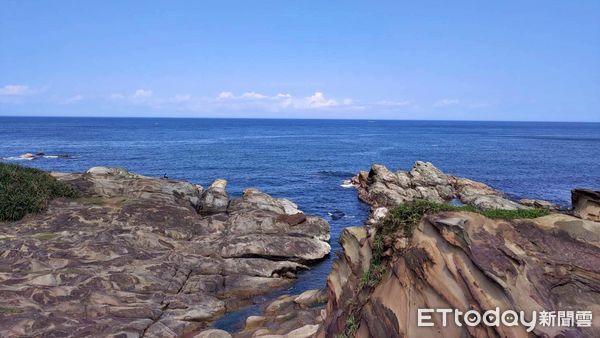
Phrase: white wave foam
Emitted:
{"points": [[347, 184], [17, 158]]}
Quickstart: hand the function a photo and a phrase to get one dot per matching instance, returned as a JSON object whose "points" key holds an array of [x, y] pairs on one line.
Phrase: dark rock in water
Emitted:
{"points": [[133, 257], [39, 154], [292, 220], [586, 204], [336, 214]]}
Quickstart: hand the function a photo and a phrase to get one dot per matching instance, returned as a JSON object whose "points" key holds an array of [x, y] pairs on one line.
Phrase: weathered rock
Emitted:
{"points": [[288, 316], [213, 333], [540, 204], [460, 261], [586, 204], [464, 261], [215, 199], [311, 297], [133, 257], [383, 188]]}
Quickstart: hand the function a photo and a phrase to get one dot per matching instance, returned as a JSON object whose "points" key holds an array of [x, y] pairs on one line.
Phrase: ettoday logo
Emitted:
{"points": [[495, 317]]}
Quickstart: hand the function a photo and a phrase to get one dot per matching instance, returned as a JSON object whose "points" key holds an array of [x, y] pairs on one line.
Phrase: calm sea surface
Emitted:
{"points": [[307, 160]]}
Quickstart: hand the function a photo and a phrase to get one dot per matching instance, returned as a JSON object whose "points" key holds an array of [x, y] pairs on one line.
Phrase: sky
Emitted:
{"points": [[423, 60]]}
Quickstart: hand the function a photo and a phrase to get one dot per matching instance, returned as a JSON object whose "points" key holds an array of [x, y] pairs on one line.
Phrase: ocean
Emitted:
{"points": [[308, 160]]}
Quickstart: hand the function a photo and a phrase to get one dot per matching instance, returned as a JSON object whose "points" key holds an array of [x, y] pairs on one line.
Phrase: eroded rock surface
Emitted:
{"points": [[288, 316], [381, 187], [586, 204], [459, 260], [134, 257]]}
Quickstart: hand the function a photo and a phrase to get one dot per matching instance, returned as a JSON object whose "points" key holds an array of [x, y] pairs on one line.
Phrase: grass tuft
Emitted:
{"points": [[25, 190], [406, 216]]}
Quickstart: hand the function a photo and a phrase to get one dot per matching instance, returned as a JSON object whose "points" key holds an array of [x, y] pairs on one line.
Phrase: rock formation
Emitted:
{"points": [[459, 260], [586, 204], [381, 187], [140, 256]]}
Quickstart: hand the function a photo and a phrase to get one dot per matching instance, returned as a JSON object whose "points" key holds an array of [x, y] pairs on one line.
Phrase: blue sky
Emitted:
{"points": [[451, 60]]}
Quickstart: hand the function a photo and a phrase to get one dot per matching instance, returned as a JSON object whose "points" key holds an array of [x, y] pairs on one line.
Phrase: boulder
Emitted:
{"points": [[215, 199], [586, 204]]}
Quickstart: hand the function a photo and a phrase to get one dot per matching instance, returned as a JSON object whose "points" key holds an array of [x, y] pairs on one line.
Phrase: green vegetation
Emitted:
{"points": [[405, 216], [24, 190], [403, 219]]}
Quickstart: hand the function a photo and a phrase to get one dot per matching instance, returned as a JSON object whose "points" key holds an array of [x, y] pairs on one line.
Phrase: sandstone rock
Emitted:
{"points": [[586, 204], [215, 199], [293, 219], [253, 322], [213, 333], [541, 204], [383, 188], [466, 261], [303, 332], [133, 257], [288, 316], [311, 297]]}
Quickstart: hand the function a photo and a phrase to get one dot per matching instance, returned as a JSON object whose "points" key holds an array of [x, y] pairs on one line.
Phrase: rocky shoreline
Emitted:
{"points": [[140, 256], [137, 256], [461, 260]]}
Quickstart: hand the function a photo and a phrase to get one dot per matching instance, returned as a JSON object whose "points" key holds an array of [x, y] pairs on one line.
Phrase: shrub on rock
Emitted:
{"points": [[24, 190]]}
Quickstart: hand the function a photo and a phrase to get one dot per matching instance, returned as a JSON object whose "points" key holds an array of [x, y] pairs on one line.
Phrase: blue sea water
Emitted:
{"points": [[307, 160]]}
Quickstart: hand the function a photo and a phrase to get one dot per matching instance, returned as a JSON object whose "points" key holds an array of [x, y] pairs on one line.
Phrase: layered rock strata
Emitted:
{"points": [[459, 260], [137, 256]]}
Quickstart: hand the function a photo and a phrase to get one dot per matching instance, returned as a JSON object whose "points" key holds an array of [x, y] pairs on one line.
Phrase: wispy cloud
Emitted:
{"points": [[280, 101], [142, 93], [446, 103], [73, 99], [15, 90]]}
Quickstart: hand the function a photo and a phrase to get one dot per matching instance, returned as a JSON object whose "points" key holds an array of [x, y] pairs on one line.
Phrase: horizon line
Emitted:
{"points": [[283, 118]]}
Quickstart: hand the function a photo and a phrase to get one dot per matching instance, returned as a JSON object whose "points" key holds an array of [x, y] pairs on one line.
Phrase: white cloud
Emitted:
{"points": [[142, 93], [15, 90], [73, 99], [446, 102], [253, 96], [225, 95], [402, 103], [318, 100], [182, 98]]}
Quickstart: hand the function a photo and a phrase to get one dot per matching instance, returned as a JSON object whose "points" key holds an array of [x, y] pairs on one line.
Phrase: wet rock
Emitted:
{"points": [[336, 214], [132, 257], [586, 204]]}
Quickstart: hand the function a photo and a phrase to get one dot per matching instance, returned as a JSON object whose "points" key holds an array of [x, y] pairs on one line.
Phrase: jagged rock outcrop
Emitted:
{"points": [[381, 187], [134, 257], [586, 204], [458, 260], [465, 261]]}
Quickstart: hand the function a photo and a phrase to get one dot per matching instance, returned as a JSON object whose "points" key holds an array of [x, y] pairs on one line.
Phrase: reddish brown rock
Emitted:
{"points": [[133, 257]]}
